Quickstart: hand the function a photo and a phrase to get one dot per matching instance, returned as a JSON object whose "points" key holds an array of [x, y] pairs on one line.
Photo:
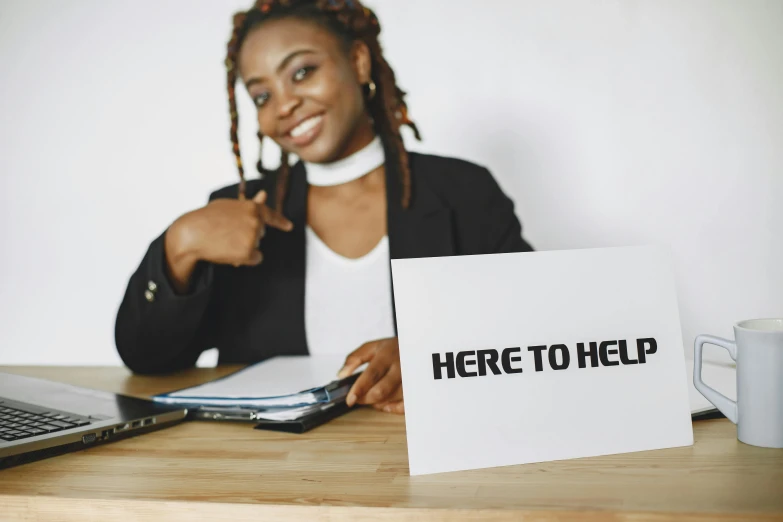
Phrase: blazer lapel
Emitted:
{"points": [[295, 209], [424, 229], [282, 274]]}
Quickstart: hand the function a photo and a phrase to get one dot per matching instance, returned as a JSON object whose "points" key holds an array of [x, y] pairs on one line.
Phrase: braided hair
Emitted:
{"points": [[350, 21]]}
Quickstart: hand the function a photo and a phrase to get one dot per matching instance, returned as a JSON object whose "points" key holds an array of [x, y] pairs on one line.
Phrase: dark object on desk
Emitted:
{"points": [[708, 415], [267, 386], [308, 422], [40, 419]]}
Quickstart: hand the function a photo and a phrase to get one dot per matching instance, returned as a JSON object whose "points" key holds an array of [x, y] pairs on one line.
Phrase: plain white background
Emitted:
{"points": [[609, 122]]}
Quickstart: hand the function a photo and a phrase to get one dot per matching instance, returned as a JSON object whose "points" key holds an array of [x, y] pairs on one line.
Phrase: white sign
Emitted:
{"points": [[531, 357]]}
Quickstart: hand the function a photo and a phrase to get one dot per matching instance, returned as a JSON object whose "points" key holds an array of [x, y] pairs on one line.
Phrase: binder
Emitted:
{"points": [[308, 422], [283, 393], [286, 381]]}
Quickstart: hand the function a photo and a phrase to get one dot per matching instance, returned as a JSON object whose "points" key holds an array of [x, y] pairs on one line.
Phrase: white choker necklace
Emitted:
{"points": [[347, 169]]}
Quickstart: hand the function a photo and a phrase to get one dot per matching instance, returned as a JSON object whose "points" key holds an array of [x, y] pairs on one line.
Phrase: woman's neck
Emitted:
{"points": [[361, 136]]}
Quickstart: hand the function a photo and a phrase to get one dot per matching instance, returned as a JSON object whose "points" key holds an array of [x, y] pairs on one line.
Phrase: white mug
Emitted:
{"points": [[758, 350]]}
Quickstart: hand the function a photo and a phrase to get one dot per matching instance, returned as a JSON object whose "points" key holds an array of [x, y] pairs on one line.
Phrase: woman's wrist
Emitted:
{"points": [[181, 247]]}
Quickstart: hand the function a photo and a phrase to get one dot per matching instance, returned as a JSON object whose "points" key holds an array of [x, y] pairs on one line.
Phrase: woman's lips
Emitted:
{"points": [[306, 132]]}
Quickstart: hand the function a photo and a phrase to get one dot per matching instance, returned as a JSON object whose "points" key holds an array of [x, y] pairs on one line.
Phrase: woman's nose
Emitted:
{"points": [[289, 102]]}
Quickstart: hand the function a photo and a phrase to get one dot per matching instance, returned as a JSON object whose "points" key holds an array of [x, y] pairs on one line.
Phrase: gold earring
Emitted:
{"points": [[371, 86]]}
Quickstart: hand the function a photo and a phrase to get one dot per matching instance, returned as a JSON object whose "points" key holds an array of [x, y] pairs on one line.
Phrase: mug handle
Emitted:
{"points": [[727, 406]]}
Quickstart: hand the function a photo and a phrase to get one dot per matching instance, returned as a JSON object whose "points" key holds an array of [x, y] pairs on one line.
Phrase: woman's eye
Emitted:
{"points": [[261, 99], [302, 73]]}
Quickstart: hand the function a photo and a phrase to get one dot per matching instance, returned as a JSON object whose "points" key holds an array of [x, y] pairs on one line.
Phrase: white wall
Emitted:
{"points": [[610, 122]]}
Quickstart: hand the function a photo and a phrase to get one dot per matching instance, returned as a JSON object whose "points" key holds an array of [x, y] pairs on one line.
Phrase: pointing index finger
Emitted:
{"points": [[275, 219], [271, 217]]}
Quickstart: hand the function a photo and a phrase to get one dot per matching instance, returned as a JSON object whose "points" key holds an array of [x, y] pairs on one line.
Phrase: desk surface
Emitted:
{"points": [[356, 467]]}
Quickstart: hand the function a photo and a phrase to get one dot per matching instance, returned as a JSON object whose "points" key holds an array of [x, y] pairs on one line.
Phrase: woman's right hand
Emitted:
{"points": [[226, 231]]}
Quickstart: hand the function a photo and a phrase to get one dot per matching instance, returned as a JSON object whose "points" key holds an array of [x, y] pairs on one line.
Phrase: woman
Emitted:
{"points": [[327, 226]]}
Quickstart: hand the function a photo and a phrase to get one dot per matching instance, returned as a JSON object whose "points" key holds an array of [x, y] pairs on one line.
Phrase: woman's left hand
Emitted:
{"points": [[380, 384]]}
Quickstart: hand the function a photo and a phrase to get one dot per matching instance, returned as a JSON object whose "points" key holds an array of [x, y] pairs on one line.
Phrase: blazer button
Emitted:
{"points": [[152, 287], [149, 296]]}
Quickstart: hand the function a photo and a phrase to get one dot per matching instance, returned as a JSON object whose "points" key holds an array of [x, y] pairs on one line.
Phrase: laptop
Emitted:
{"points": [[40, 419]]}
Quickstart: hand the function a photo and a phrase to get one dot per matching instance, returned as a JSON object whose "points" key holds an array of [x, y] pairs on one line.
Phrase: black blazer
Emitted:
{"points": [[253, 313]]}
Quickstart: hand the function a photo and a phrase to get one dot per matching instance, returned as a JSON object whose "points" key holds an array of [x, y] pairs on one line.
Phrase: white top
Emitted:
{"points": [[348, 302]]}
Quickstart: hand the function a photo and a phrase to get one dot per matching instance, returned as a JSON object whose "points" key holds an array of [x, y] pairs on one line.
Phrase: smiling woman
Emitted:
{"points": [[328, 225]]}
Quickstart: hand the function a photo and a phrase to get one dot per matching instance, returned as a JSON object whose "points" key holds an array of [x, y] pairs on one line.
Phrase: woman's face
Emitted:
{"points": [[307, 89]]}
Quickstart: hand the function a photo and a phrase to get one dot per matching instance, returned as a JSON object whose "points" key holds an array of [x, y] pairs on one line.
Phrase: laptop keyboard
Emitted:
{"points": [[17, 423]]}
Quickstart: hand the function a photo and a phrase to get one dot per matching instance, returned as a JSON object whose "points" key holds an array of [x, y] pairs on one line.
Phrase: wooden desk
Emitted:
{"points": [[355, 467]]}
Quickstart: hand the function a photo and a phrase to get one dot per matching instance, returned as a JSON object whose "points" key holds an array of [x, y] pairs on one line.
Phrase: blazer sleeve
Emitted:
{"points": [[158, 330], [502, 230]]}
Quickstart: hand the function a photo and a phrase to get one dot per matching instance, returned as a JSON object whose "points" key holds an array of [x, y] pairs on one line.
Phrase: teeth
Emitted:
{"points": [[305, 126]]}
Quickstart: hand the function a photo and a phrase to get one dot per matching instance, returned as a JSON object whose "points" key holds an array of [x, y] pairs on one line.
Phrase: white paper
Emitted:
{"points": [[462, 303], [290, 413], [275, 377]]}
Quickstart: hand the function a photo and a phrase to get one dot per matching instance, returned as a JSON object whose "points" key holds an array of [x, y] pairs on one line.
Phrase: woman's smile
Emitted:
{"points": [[306, 131]]}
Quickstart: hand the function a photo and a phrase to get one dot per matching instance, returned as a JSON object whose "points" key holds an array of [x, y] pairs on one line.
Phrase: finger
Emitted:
{"points": [[261, 232], [383, 389], [277, 220], [395, 407], [269, 216], [260, 198], [256, 257], [391, 407], [356, 358], [395, 396], [374, 373]]}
